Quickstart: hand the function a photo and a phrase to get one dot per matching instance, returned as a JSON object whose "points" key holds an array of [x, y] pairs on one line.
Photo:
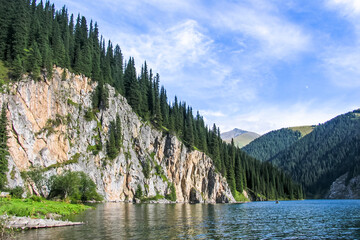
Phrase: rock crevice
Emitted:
{"points": [[32, 104]]}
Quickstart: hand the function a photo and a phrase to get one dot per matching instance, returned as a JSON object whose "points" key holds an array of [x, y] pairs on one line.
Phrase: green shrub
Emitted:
{"points": [[172, 195], [138, 192], [146, 168], [89, 115], [76, 186], [16, 192]]}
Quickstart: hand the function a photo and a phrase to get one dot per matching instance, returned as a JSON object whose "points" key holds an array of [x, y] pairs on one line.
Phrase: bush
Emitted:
{"points": [[139, 192], [172, 195], [76, 186], [16, 192]]}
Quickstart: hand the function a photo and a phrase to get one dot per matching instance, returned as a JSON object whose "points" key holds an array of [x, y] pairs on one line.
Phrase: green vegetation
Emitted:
{"points": [[304, 130], [270, 144], [3, 147], [4, 76], [146, 165], [172, 195], [34, 37], [114, 143], [329, 151], [76, 186], [239, 197], [37, 207], [153, 198], [138, 192]]}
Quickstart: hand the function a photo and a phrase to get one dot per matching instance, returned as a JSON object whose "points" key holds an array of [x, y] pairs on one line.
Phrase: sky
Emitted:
{"points": [[257, 65]]}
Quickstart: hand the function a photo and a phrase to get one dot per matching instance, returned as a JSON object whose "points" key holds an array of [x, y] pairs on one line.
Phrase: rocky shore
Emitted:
{"points": [[33, 223]]}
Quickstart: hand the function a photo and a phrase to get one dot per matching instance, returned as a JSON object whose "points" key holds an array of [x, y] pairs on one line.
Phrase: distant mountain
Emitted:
{"points": [[325, 159], [241, 137], [270, 144]]}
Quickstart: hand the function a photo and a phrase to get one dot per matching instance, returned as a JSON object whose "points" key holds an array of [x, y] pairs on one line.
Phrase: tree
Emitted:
{"points": [[3, 147]]}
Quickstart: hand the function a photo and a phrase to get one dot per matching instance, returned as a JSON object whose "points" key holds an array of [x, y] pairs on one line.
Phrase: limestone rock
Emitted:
{"points": [[340, 189], [48, 129]]}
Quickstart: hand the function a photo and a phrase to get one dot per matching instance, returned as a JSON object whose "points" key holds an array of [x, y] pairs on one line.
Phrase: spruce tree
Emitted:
{"points": [[3, 147]]}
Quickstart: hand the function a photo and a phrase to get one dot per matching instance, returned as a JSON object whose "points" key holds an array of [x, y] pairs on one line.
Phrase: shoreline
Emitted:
{"points": [[13, 222]]}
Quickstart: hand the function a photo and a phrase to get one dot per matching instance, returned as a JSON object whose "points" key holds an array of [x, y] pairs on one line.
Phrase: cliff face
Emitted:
{"points": [[341, 190], [48, 130]]}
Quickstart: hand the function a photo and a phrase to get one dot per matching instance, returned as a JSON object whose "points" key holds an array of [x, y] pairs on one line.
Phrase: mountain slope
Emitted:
{"points": [[44, 118], [241, 137], [270, 144], [51, 131], [331, 150]]}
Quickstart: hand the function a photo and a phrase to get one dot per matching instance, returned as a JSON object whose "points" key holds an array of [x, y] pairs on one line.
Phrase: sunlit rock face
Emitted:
{"points": [[48, 130]]}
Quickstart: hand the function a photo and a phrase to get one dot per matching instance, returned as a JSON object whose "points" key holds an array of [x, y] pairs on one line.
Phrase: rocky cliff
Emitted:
{"points": [[48, 130], [341, 189]]}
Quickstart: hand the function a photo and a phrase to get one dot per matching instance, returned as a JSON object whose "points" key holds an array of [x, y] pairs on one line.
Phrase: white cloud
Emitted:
{"points": [[347, 7], [342, 67], [168, 50], [341, 62], [269, 117], [278, 37]]}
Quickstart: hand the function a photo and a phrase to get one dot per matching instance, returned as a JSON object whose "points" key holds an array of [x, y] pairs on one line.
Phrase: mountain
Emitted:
{"points": [[270, 144], [51, 131], [241, 137], [325, 160], [74, 104]]}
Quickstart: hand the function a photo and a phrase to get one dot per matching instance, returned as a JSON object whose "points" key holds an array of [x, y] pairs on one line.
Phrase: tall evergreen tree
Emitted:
{"points": [[3, 147]]}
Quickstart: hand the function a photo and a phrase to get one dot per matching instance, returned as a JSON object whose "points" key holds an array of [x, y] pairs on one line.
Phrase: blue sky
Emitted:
{"points": [[257, 65]]}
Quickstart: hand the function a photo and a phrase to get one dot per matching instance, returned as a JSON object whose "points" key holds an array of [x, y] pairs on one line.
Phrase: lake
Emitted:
{"points": [[308, 219]]}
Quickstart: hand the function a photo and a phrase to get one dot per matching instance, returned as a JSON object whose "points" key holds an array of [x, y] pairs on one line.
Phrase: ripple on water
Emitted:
{"points": [[310, 219]]}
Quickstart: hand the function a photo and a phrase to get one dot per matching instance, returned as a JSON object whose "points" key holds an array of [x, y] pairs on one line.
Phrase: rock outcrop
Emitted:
{"points": [[342, 189], [48, 130]]}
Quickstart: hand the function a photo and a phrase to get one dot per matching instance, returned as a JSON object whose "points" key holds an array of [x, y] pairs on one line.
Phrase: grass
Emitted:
{"points": [[155, 198], [38, 208], [239, 197], [304, 130]]}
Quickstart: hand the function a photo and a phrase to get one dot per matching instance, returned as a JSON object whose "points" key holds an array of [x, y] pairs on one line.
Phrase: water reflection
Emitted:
{"points": [[294, 219]]}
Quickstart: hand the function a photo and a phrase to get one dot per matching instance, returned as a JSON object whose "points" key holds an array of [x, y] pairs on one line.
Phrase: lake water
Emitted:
{"points": [[309, 219]]}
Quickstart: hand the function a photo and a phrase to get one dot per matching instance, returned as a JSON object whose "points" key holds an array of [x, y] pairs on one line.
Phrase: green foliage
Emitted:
{"points": [[89, 115], [153, 198], [30, 44], [138, 192], [72, 103], [37, 207], [172, 195], [16, 192], [4, 76], [146, 168], [329, 151], [76, 186], [270, 144], [114, 143], [239, 197], [3, 147]]}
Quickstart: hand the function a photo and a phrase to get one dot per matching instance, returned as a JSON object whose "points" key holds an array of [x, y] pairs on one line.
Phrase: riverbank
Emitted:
{"points": [[34, 223], [36, 212]]}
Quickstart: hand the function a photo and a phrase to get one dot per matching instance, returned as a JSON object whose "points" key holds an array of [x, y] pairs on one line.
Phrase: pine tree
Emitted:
{"points": [[3, 147], [118, 135], [111, 144]]}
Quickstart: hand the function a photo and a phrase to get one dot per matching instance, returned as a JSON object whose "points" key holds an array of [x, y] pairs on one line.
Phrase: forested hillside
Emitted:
{"points": [[270, 144], [35, 36], [329, 151]]}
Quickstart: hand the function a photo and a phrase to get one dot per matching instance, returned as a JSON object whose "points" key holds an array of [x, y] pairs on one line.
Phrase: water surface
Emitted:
{"points": [[309, 219]]}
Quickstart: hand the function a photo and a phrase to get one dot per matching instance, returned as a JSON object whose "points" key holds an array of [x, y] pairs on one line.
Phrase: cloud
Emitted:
{"points": [[277, 37], [340, 61], [265, 118], [346, 7], [168, 49], [342, 67]]}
